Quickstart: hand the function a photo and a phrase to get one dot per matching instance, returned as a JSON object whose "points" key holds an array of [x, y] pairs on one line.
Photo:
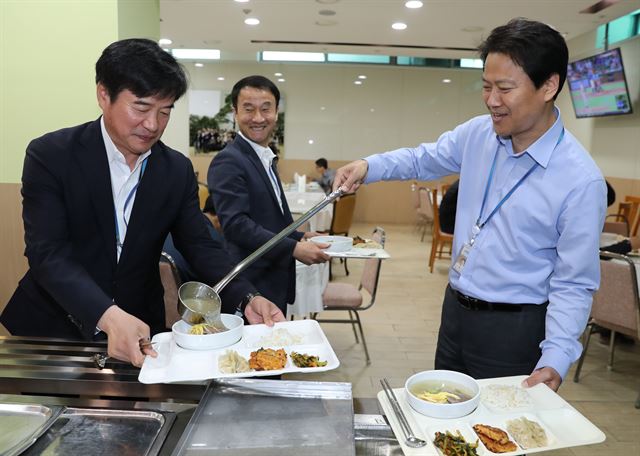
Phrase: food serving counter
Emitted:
{"points": [[60, 374]]}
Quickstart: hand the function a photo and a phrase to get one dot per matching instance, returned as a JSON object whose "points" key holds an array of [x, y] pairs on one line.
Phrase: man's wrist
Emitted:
{"points": [[245, 302]]}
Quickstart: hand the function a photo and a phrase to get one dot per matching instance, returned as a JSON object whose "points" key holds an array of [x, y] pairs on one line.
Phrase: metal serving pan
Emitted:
{"points": [[22, 424], [97, 432]]}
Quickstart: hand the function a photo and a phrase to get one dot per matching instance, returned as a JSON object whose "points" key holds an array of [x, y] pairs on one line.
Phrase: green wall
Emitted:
{"points": [[48, 49]]}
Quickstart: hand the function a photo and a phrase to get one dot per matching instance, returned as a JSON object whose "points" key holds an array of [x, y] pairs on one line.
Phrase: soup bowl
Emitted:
{"points": [[443, 380], [182, 337], [336, 243]]}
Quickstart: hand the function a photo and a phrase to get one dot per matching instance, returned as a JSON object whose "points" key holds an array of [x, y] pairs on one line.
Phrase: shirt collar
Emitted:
{"points": [[113, 154], [264, 153], [544, 146]]}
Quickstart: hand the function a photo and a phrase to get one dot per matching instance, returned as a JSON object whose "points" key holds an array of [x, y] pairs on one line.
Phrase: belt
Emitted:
{"points": [[471, 303]]}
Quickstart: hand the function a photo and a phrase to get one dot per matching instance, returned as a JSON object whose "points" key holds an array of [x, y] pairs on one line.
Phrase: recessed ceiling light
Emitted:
{"points": [[327, 2], [413, 4], [196, 54], [398, 26], [164, 42], [220, 78], [310, 141], [362, 76], [277, 74], [241, 1], [281, 79], [357, 82], [446, 80], [199, 65], [372, 110], [252, 21], [322, 108]]}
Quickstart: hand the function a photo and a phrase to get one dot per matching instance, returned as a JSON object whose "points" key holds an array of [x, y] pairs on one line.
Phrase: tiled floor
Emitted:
{"points": [[402, 327]]}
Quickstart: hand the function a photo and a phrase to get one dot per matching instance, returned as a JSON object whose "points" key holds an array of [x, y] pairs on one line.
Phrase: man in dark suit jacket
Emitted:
{"points": [[249, 199], [99, 201]]}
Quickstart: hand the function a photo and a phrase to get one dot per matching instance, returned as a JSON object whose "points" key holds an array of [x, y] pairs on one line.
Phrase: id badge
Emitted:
{"points": [[462, 258]]}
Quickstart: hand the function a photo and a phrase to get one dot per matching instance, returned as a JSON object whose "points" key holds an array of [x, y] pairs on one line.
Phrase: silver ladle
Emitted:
{"points": [[199, 301]]}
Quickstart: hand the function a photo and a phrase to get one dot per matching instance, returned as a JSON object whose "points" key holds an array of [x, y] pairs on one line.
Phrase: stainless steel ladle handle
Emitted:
{"points": [[244, 264]]}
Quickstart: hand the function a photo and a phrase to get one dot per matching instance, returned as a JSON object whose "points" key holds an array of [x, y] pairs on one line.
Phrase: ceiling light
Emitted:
{"points": [[446, 80], [362, 76], [277, 74], [372, 110], [293, 56], [198, 64], [398, 26], [310, 141], [357, 82], [471, 63], [327, 12], [281, 79], [413, 4], [164, 42], [196, 54], [322, 108], [220, 78], [252, 21], [241, 1]]}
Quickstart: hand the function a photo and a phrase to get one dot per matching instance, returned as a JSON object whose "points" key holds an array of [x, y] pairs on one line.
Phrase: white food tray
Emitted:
{"points": [[176, 364], [564, 425], [355, 252]]}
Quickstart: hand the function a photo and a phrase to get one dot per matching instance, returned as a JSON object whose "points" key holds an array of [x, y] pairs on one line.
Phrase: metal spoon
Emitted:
{"points": [[410, 439]]}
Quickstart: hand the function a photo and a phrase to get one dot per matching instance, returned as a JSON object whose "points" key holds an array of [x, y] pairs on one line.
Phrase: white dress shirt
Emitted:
{"points": [[266, 157], [123, 183]]}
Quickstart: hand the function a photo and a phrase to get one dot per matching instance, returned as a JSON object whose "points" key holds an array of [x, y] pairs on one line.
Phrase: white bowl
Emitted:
{"points": [[182, 337], [456, 410], [336, 243]]}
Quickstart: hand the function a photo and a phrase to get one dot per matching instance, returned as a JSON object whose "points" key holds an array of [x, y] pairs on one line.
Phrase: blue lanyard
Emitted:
{"points": [[127, 201], [479, 225]]}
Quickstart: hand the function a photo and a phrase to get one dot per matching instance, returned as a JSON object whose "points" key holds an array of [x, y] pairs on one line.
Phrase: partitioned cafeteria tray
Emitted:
{"points": [[254, 417], [176, 364], [104, 432], [563, 424], [22, 424]]}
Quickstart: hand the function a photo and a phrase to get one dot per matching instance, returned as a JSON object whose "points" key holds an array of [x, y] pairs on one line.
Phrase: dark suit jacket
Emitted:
{"points": [[68, 214], [250, 215]]}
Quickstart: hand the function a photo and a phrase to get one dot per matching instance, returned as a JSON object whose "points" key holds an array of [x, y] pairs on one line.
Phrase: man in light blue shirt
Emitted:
{"points": [[531, 205]]}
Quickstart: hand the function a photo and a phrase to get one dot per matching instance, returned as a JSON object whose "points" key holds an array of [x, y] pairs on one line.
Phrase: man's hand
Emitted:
{"points": [[310, 252], [310, 234], [124, 335], [261, 310], [547, 375], [351, 176]]}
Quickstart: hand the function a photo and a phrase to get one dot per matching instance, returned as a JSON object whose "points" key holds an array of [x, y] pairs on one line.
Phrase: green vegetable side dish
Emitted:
{"points": [[455, 445], [304, 360]]}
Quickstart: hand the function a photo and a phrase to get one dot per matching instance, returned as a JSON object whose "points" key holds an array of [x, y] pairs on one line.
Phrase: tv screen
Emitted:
{"points": [[598, 86]]}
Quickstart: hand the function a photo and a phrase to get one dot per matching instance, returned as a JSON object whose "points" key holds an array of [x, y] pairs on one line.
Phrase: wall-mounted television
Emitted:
{"points": [[598, 86]]}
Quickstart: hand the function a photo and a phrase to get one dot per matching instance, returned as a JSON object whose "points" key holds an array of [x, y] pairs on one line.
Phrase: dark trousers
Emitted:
{"points": [[489, 343]]}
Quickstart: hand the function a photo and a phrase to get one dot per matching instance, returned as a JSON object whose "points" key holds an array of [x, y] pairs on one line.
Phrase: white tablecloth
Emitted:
{"points": [[299, 203], [310, 284]]}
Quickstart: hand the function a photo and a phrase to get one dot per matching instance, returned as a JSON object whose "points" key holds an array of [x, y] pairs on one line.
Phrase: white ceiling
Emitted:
{"points": [[365, 25]]}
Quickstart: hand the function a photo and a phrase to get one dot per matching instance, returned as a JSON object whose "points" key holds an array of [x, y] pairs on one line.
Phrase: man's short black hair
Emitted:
{"points": [[141, 66], [323, 163], [256, 82], [537, 48]]}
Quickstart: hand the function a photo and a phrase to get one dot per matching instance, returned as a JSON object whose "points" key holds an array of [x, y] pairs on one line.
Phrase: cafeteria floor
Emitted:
{"points": [[402, 328]]}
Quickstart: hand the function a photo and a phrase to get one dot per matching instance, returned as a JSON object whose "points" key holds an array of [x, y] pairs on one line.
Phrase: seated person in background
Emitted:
{"points": [[623, 247], [326, 175], [447, 209]]}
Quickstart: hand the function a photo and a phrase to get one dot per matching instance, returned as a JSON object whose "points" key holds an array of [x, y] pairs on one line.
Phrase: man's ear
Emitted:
{"points": [[551, 87], [103, 95]]}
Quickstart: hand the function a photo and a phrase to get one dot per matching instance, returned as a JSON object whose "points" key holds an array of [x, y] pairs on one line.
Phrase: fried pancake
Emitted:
{"points": [[268, 359], [496, 440]]}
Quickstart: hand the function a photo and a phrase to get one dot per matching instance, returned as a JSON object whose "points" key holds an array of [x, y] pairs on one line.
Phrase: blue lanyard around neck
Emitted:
{"points": [[479, 225], [128, 200]]}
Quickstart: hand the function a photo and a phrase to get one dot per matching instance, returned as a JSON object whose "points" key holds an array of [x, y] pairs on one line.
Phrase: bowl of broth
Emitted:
{"points": [[184, 338], [336, 243], [442, 393]]}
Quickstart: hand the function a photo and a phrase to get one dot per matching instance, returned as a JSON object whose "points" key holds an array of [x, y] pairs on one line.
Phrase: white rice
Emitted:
{"points": [[505, 397], [279, 338]]}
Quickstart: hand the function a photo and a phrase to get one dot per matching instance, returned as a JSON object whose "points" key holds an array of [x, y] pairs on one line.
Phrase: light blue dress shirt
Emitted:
{"points": [[542, 244]]}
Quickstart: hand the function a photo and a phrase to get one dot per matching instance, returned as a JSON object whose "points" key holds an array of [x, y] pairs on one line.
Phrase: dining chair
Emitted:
{"points": [[170, 278], [633, 215], [424, 210], [347, 297], [440, 239], [203, 194], [619, 223], [343, 210], [616, 305]]}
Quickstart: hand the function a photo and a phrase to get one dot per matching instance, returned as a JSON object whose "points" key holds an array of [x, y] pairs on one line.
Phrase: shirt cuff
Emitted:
{"points": [[555, 359], [374, 173]]}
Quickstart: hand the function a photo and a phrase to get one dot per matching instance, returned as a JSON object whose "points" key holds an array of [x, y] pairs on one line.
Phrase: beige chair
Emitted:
{"points": [[619, 223], [424, 210], [203, 194], [348, 297], [170, 278], [632, 215], [343, 210], [616, 305], [440, 239]]}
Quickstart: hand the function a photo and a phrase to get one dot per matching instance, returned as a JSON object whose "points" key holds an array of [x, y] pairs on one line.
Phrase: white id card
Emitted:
{"points": [[462, 258]]}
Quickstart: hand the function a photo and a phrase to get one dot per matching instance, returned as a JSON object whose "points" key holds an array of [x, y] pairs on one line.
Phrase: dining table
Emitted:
{"points": [[311, 281], [301, 202]]}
